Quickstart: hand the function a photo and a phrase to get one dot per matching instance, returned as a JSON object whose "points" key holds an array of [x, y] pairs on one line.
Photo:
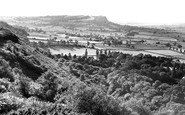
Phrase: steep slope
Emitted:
{"points": [[23, 70], [31, 61], [19, 32], [6, 35]]}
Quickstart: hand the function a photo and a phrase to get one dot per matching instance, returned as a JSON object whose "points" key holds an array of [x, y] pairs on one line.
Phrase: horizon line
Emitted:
{"points": [[118, 22]]}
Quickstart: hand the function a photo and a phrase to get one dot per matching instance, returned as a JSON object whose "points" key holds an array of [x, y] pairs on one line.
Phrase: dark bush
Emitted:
{"points": [[95, 102]]}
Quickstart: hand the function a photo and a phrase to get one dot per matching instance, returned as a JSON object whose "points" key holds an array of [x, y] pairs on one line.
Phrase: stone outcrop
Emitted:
{"points": [[6, 35]]}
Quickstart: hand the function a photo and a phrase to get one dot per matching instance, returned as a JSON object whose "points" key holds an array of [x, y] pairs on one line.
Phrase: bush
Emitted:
{"points": [[49, 85], [9, 102], [172, 108], [137, 106], [5, 70], [96, 102]]}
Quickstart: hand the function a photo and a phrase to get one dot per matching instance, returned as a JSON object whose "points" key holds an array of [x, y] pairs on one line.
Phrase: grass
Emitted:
{"points": [[153, 37]]}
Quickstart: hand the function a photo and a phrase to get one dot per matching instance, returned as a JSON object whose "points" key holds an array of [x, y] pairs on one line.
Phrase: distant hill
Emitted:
{"points": [[89, 23], [92, 23], [72, 22]]}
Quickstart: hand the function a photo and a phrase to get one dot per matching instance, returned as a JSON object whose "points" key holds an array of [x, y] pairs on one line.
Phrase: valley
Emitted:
{"points": [[87, 65]]}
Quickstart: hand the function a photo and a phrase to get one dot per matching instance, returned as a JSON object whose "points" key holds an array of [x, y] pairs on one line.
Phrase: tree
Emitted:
{"points": [[41, 44], [66, 37], [168, 45], [175, 43], [88, 43], [48, 43], [55, 38], [76, 42], [109, 43], [95, 102], [49, 53], [157, 42], [67, 42], [35, 44], [97, 53], [102, 57], [179, 46], [49, 82], [86, 53], [70, 40]]}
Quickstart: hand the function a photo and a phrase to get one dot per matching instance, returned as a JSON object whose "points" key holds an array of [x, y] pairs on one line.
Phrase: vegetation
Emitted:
{"points": [[34, 82]]}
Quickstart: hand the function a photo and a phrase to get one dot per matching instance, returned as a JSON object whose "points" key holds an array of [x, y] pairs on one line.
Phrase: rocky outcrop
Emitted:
{"points": [[6, 35], [14, 29]]}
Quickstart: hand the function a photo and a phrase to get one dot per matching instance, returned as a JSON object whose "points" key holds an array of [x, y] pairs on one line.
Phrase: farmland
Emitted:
{"points": [[94, 71]]}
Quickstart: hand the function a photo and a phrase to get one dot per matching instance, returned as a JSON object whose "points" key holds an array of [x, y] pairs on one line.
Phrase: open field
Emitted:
{"points": [[154, 37], [149, 47], [166, 52], [92, 52], [73, 51], [169, 53]]}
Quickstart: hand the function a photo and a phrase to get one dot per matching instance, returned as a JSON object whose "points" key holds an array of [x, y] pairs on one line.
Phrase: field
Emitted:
{"points": [[149, 47], [168, 53], [154, 37], [34, 81], [73, 51]]}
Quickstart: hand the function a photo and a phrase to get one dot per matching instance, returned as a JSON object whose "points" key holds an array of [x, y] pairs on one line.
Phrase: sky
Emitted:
{"points": [[154, 12]]}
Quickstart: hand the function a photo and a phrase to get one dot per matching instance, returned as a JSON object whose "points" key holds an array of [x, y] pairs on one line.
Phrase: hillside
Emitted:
{"points": [[21, 66], [34, 82], [19, 32], [72, 22], [86, 24], [79, 21]]}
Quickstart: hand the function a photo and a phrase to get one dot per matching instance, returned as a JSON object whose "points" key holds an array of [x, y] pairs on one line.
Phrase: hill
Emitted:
{"points": [[20, 66], [18, 31], [82, 23], [72, 22], [34, 82], [88, 24], [79, 22]]}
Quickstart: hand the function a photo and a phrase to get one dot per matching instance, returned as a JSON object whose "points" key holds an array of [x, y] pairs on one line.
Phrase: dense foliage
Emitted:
{"points": [[34, 82]]}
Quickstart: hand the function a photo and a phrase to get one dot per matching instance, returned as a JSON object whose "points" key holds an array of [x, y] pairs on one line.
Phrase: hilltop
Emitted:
{"points": [[70, 22], [75, 22]]}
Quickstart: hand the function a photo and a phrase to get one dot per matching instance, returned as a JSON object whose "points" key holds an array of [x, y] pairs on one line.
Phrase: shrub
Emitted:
{"points": [[96, 102], [9, 102], [5, 70], [138, 107], [172, 108], [49, 83]]}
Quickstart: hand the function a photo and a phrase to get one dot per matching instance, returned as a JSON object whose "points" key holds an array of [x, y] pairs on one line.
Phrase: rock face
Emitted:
{"points": [[6, 35], [101, 19]]}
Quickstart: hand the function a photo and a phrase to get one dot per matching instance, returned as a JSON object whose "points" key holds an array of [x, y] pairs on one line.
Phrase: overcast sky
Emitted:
{"points": [[122, 11]]}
